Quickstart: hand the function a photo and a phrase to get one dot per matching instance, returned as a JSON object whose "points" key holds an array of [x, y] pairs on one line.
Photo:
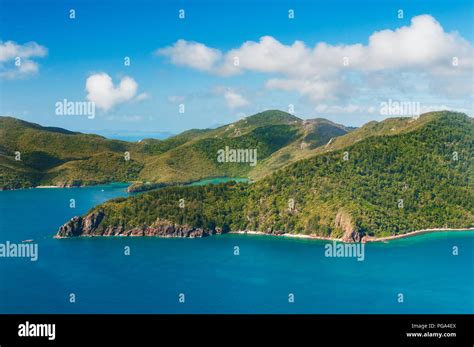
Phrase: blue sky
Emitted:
{"points": [[185, 61]]}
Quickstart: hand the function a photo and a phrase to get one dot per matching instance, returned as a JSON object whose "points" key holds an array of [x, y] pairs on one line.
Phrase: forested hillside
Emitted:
{"points": [[378, 186]]}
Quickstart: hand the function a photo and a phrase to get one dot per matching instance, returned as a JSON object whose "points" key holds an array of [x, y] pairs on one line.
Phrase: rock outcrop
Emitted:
{"points": [[71, 228], [345, 222], [79, 226], [91, 226]]}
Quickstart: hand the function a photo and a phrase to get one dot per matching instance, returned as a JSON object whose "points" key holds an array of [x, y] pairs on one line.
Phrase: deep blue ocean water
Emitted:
{"points": [[213, 279]]}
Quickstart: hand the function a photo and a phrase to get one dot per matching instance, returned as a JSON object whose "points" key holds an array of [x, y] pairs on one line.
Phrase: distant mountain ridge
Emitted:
{"points": [[54, 156]]}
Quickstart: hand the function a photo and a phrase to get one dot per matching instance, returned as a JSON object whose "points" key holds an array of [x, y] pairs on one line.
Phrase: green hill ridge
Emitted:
{"points": [[54, 156], [384, 179]]}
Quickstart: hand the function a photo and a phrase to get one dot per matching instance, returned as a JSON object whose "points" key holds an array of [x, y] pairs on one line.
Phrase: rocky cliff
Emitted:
{"points": [[345, 222], [90, 225]]}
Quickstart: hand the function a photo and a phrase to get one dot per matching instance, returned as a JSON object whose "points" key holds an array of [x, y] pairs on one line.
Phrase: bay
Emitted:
{"points": [[214, 280]]}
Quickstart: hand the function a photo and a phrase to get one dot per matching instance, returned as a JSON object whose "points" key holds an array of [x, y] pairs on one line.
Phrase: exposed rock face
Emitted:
{"points": [[92, 221], [71, 228], [345, 222], [90, 226], [79, 226]]}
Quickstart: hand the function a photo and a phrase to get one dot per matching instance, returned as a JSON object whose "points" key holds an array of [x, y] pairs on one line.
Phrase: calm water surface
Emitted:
{"points": [[212, 278]]}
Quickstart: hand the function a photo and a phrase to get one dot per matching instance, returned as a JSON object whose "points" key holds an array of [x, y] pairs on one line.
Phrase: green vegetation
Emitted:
{"points": [[400, 175], [53, 156], [414, 177]]}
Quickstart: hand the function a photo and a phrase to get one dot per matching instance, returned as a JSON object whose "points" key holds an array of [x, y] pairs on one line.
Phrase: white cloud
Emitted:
{"points": [[142, 96], [191, 54], [424, 44], [10, 50], [421, 52], [268, 55], [16, 60], [232, 99], [101, 90]]}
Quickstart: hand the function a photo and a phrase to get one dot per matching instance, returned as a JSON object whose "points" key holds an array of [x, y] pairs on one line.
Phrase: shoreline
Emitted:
{"points": [[417, 232], [130, 184], [365, 240], [296, 236], [64, 187]]}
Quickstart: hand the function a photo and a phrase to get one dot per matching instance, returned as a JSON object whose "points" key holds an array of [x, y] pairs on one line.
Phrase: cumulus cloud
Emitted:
{"points": [[16, 60], [422, 45], [101, 90], [268, 55], [191, 54], [423, 52]]}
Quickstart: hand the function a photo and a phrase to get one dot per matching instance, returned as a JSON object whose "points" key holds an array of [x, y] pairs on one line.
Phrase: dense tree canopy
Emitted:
{"points": [[386, 185]]}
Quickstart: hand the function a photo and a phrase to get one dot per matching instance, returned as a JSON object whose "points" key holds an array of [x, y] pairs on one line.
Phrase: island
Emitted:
{"points": [[383, 180]]}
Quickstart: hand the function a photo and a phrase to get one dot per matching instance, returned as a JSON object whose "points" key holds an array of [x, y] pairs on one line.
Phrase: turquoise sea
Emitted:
{"points": [[212, 278]]}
